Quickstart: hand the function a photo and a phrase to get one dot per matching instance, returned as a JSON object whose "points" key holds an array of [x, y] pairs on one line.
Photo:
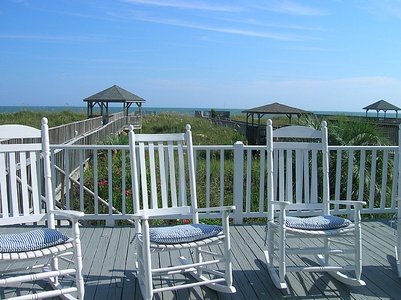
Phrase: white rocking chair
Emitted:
{"points": [[24, 170], [299, 210], [398, 243], [398, 224], [163, 174]]}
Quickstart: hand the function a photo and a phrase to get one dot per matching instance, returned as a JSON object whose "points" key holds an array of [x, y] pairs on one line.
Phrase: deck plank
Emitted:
{"points": [[109, 268]]}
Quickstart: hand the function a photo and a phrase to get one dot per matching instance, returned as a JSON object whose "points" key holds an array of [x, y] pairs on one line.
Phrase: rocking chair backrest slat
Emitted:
{"points": [[163, 178], [182, 176], [173, 185], [162, 166], [3, 183], [142, 170], [299, 176], [12, 185]]}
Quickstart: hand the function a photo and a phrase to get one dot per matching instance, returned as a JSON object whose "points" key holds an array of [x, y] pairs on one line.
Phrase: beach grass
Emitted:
{"points": [[33, 118]]}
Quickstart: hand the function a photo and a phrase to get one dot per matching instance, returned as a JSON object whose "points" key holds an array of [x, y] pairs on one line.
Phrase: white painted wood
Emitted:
{"points": [[368, 184], [398, 198], [298, 182], [17, 131], [163, 166], [238, 186], [398, 242], [24, 169]]}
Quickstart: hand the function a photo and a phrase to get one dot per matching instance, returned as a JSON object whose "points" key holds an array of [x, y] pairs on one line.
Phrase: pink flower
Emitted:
{"points": [[118, 172], [186, 221], [104, 182], [128, 192]]}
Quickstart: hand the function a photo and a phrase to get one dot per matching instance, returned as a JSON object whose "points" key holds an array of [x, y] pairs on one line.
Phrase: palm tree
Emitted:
{"points": [[347, 131]]}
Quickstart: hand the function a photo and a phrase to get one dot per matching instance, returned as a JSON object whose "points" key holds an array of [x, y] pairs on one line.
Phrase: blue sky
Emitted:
{"points": [[331, 55]]}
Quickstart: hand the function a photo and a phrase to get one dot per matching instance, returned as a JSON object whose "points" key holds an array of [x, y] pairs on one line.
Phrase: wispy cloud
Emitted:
{"points": [[236, 31], [291, 8], [50, 38], [193, 5], [333, 83], [263, 23], [96, 60], [233, 19], [384, 7]]}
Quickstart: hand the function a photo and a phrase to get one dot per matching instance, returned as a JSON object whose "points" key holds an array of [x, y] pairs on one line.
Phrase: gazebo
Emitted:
{"points": [[382, 105], [255, 133], [114, 94]]}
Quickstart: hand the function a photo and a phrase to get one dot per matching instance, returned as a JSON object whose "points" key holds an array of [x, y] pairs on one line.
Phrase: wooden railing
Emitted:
{"points": [[71, 132], [232, 175]]}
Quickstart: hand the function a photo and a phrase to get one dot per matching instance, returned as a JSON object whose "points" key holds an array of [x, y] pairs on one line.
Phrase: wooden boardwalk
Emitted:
{"points": [[108, 258]]}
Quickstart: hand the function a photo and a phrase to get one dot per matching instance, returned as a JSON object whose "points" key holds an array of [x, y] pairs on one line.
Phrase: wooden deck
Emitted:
{"points": [[108, 258]]}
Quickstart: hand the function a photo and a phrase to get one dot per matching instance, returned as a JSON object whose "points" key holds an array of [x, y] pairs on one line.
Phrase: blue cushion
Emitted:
{"points": [[317, 223], [183, 233], [31, 240]]}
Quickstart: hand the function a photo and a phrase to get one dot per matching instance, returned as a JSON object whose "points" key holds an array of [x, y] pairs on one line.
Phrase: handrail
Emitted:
{"points": [[234, 175]]}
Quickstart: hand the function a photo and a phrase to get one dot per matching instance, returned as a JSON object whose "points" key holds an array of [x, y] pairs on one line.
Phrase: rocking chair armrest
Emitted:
{"points": [[139, 216], [229, 208], [358, 204], [282, 204], [72, 214], [163, 213]]}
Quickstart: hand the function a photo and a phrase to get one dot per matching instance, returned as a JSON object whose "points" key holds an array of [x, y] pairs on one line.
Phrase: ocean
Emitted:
{"points": [[158, 110], [112, 109]]}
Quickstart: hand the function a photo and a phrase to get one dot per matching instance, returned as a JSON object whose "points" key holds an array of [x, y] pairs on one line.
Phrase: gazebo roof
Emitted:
{"points": [[115, 94], [276, 108], [382, 105], [254, 135]]}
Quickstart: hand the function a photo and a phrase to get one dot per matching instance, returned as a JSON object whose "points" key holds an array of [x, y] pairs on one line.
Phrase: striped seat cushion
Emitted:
{"points": [[317, 223], [31, 240], [183, 233]]}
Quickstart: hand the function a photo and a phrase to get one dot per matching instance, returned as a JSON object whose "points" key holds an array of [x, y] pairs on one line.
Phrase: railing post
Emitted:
{"points": [[110, 223], [238, 187]]}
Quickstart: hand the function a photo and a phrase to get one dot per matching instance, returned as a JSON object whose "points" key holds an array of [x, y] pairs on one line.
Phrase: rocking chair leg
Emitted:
{"points": [[282, 254], [227, 251], [55, 267], [147, 267], [228, 275], [278, 277], [281, 284], [397, 258]]}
